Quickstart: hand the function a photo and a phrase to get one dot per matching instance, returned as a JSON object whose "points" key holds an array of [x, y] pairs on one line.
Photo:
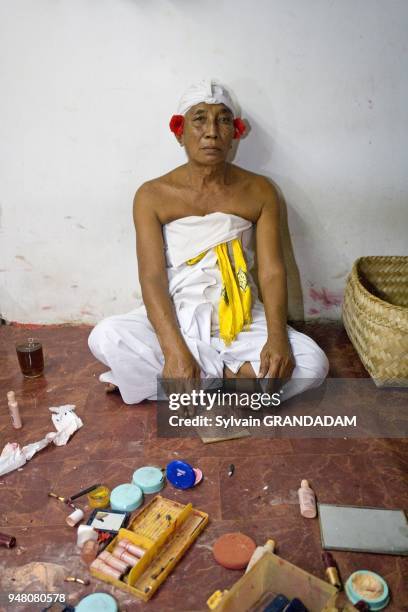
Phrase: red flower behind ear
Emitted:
{"points": [[240, 127], [176, 124]]}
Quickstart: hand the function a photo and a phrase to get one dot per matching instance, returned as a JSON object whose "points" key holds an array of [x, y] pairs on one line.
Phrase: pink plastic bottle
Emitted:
{"points": [[14, 411], [307, 500]]}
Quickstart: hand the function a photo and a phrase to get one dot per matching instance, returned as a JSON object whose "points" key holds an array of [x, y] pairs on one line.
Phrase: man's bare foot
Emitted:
{"points": [[111, 388]]}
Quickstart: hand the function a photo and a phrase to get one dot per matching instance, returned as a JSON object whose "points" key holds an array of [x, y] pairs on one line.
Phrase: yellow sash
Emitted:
{"points": [[235, 302]]}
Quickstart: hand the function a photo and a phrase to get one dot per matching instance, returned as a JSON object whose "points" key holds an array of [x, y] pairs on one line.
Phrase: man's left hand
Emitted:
{"points": [[276, 358]]}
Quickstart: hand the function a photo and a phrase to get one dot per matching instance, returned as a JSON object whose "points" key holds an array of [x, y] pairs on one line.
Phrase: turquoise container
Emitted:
{"points": [[126, 497], [374, 604], [97, 601], [149, 478]]}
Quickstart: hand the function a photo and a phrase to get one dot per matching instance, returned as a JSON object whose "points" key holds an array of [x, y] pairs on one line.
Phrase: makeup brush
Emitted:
{"points": [[83, 492]]}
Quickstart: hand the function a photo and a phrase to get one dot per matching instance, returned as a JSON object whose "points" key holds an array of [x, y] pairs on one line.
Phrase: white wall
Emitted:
{"points": [[87, 89]]}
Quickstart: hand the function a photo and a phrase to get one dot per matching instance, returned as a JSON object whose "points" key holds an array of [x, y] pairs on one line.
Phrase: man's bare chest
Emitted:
{"points": [[235, 202]]}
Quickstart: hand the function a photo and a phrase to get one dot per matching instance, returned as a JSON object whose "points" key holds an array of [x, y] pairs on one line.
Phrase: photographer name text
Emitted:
{"points": [[271, 420]]}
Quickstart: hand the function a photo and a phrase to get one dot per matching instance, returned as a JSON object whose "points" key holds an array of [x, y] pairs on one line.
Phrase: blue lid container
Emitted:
{"points": [[180, 474], [295, 606], [97, 601], [374, 604], [149, 478], [126, 497], [277, 605]]}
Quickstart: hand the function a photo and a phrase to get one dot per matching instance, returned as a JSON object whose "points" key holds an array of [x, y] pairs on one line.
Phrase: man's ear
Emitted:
{"points": [[176, 126]]}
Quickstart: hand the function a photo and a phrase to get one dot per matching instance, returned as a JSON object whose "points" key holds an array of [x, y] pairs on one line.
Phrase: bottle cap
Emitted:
{"points": [[126, 497], [180, 474], [149, 478]]}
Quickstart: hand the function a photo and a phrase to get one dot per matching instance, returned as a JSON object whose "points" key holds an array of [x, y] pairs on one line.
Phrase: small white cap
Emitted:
{"points": [[74, 518]]}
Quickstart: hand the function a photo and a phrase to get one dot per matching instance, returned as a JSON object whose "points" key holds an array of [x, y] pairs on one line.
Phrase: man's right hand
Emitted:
{"points": [[183, 370]]}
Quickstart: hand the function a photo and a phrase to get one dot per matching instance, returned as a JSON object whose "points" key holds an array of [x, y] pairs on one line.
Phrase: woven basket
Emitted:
{"points": [[375, 315]]}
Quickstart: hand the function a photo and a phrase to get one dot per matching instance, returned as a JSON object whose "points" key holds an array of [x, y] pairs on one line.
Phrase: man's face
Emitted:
{"points": [[208, 133]]}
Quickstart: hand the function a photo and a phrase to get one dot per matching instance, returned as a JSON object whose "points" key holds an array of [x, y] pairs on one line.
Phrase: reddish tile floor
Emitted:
{"points": [[116, 439]]}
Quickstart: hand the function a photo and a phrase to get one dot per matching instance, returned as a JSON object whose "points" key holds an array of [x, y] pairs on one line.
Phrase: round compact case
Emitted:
{"points": [[126, 497], [149, 478]]}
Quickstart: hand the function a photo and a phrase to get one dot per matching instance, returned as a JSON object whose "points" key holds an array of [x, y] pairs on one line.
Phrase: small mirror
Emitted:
{"points": [[363, 529]]}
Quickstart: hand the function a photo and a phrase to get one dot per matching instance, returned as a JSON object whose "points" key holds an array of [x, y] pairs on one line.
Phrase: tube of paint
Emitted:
{"points": [[14, 410], [113, 561], [74, 518], [307, 500], [259, 552], [85, 533], [7, 541], [331, 571], [120, 553], [132, 548], [106, 569]]}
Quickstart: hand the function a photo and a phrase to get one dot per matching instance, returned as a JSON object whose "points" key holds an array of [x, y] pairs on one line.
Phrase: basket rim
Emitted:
{"points": [[382, 257], [370, 318], [371, 296]]}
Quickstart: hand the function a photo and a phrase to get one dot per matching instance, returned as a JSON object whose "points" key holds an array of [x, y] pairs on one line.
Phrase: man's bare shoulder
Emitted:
{"points": [[153, 191], [161, 183], [161, 198], [262, 189], [144, 201]]}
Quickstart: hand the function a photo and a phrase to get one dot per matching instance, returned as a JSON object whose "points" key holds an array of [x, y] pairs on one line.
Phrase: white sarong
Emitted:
{"points": [[128, 345]]}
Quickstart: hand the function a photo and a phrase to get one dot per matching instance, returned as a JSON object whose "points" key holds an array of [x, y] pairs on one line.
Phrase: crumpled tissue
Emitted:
{"points": [[65, 421]]}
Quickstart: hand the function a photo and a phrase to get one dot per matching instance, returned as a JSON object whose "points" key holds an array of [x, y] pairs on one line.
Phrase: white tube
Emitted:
{"points": [[74, 518]]}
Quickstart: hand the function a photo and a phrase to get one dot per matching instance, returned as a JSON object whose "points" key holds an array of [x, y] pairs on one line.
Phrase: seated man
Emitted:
{"points": [[201, 316]]}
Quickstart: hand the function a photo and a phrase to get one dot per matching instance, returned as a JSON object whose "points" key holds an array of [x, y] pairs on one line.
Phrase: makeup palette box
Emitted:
{"points": [[164, 529]]}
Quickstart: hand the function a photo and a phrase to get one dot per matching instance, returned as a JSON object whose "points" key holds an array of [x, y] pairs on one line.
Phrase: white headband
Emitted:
{"points": [[209, 91]]}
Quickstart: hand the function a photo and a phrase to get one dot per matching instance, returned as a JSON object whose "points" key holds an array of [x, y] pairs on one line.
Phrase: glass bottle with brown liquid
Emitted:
{"points": [[30, 357]]}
